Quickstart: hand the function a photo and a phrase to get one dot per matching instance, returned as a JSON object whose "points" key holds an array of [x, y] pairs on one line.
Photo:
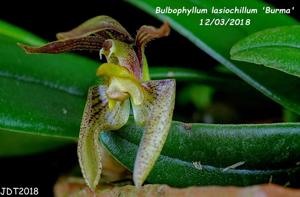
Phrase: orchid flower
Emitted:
{"points": [[126, 81]]}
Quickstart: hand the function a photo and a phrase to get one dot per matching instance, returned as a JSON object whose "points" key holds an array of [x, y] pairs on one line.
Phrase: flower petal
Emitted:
{"points": [[157, 116], [140, 113], [88, 36], [98, 25], [121, 81], [92, 43], [123, 54], [147, 33], [97, 117], [144, 35], [114, 70], [119, 86]]}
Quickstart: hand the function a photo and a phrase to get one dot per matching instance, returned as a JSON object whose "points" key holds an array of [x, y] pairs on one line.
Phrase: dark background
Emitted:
{"points": [[45, 19]]}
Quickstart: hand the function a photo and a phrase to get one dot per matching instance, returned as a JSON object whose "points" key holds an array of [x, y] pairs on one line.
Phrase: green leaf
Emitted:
{"points": [[276, 85], [42, 93], [187, 159], [36, 104], [228, 143], [42, 96], [289, 116], [16, 144], [277, 48], [9, 30], [186, 74]]}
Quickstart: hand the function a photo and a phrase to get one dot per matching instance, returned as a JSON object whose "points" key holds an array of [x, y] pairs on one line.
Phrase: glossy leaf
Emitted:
{"points": [[277, 48], [276, 85], [39, 96], [229, 144], [185, 74], [16, 144], [49, 97], [174, 171]]}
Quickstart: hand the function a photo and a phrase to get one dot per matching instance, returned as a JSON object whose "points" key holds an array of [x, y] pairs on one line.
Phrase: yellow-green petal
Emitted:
{"points": [[124, 85], [114, 70], [123, 54], [157, 114], [145, 68], [97, 117], [121, 81]]}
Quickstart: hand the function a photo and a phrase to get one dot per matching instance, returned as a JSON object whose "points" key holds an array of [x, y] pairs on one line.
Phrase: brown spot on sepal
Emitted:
{"points": [[158, 110]]}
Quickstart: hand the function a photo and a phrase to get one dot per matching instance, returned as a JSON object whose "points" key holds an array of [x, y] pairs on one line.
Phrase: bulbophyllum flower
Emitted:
{"points": [[126, 81]]}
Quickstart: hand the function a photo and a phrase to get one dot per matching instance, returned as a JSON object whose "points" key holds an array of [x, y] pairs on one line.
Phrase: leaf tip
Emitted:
{"points": [[233, 50]]}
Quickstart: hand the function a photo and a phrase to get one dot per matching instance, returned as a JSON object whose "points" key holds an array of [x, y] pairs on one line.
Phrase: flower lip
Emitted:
{"points": [[114, 70], [121, 83], [119, 88]]}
